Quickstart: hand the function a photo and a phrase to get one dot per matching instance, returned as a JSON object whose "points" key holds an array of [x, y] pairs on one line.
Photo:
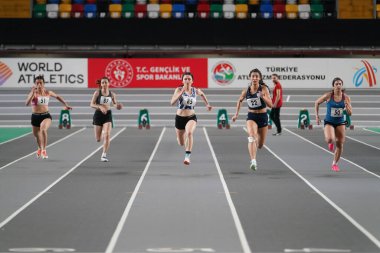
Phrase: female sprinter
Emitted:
{"points": [[258, 98]]}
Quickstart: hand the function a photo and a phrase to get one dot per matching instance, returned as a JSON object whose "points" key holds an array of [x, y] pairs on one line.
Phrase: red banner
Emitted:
{"points": [[147, 73]]}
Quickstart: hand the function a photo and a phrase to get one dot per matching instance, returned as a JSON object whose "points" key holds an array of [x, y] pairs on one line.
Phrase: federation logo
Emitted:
{"points": [[223, 73], [120, 73], [368, 72], [5, 73]]}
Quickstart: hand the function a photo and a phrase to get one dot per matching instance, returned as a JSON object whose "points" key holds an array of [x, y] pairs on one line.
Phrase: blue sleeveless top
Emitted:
{"points": [[187, 101], [334, 110], [253, 101]]}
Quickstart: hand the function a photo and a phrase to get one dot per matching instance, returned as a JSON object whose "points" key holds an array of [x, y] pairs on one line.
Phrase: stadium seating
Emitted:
{"points": [[227, 9]]}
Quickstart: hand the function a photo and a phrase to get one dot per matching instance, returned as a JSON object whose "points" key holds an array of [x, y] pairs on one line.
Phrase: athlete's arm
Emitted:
{"points": [[177, 93], [347, 103], [60, 99], [266, 96], [238, 104], [203, 96], [319, 101], [31, 95]]}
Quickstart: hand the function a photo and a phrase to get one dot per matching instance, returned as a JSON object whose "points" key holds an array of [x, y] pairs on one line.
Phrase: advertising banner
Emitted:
{"points": [[20, 72], [147, 73], [295, 73]]}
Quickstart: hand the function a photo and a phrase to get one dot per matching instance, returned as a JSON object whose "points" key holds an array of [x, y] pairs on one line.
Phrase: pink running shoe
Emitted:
{"points": [[38, 153], [335, 167], [331, 147]]}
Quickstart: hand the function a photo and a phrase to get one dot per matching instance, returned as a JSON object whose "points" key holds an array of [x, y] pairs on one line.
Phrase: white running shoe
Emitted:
{"points": [[187, 160], [253, 165], [44, 154], [104, 159]]}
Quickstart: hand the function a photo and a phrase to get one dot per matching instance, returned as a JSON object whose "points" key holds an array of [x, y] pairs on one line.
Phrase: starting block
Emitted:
{"points": [[269, 119], [144, 119], [347, 118], [64, 119], [222, 119], [304, 119]]}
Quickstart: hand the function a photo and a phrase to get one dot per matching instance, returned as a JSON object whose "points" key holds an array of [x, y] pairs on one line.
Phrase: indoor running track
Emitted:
{"points": [[146, 200]]}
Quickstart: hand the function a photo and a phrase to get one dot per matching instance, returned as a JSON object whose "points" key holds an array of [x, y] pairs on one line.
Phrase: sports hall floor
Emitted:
{"points": [[146, 200]]}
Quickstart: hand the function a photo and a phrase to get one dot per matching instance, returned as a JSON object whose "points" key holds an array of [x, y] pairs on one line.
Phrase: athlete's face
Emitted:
{"points": [[255, 77], [187, 80], [39, 84], [338, 84], [274, 79], [104, 83]]}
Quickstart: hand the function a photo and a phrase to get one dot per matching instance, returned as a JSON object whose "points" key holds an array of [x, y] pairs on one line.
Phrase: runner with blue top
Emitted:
{"points": [[186, 121], [335, 124]]}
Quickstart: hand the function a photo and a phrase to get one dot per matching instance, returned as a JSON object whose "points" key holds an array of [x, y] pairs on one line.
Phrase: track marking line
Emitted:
{"points": [[369, 130], [1, 143], [345, 159], [48, 146], [340, 210], [239, 227], [123, 218], [362, 142], [2, 224]]}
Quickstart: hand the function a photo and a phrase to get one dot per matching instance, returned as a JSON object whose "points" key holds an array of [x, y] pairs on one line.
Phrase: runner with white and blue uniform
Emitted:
{"points": [[185, 97]]}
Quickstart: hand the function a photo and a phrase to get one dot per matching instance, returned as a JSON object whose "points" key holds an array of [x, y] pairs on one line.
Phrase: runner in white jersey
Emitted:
{"points": [[186, 121], [39, 98]]}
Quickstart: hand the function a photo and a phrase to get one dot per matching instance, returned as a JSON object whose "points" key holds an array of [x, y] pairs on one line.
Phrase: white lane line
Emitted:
{"points": [[357, 165], [288, 98], [1, 143], [340, 210], [123, 218], [2, 224], [239, 227], [50, 145], [362, 142], [369, 130]]}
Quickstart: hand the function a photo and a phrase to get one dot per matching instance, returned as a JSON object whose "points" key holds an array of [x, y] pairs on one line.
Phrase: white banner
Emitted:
{"points": [[295, 73], [20, 72]]}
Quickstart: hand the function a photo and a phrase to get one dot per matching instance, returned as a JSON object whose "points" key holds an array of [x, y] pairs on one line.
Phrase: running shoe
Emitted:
{"points": [[276, 134], [104, 159], [44, 154], [187, 160], [253, 165], [335, 167], [331, 147], [38, 153]]}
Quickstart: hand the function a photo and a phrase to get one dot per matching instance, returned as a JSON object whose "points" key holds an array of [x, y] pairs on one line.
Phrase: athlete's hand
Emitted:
{"points": [[209, 107], [103, 109], [234, 118], [317, 119], [68, 107]]}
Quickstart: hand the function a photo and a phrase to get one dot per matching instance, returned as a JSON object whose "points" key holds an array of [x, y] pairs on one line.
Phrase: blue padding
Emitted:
{"points": [[54, 1], [78, 1], [90, 8], [266, 8], [178, 8]]}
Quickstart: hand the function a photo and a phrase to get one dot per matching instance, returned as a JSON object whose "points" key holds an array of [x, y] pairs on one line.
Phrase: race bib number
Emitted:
{"points": [[254, 102], [42, 100], [189, 101], [105, 100], [336, 112]]}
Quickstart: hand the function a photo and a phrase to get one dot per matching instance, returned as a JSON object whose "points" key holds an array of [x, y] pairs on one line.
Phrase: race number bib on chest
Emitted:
{"points": [[254, 102], [336, 112], [42, 100], [105, 100], [189, 101]]}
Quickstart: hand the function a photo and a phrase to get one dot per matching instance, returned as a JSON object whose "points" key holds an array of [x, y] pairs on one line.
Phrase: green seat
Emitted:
{"points": [[216, 10], [241, 2], [39, 11], [129, 1], [128, 10], [315, 1], [316, 11]]}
